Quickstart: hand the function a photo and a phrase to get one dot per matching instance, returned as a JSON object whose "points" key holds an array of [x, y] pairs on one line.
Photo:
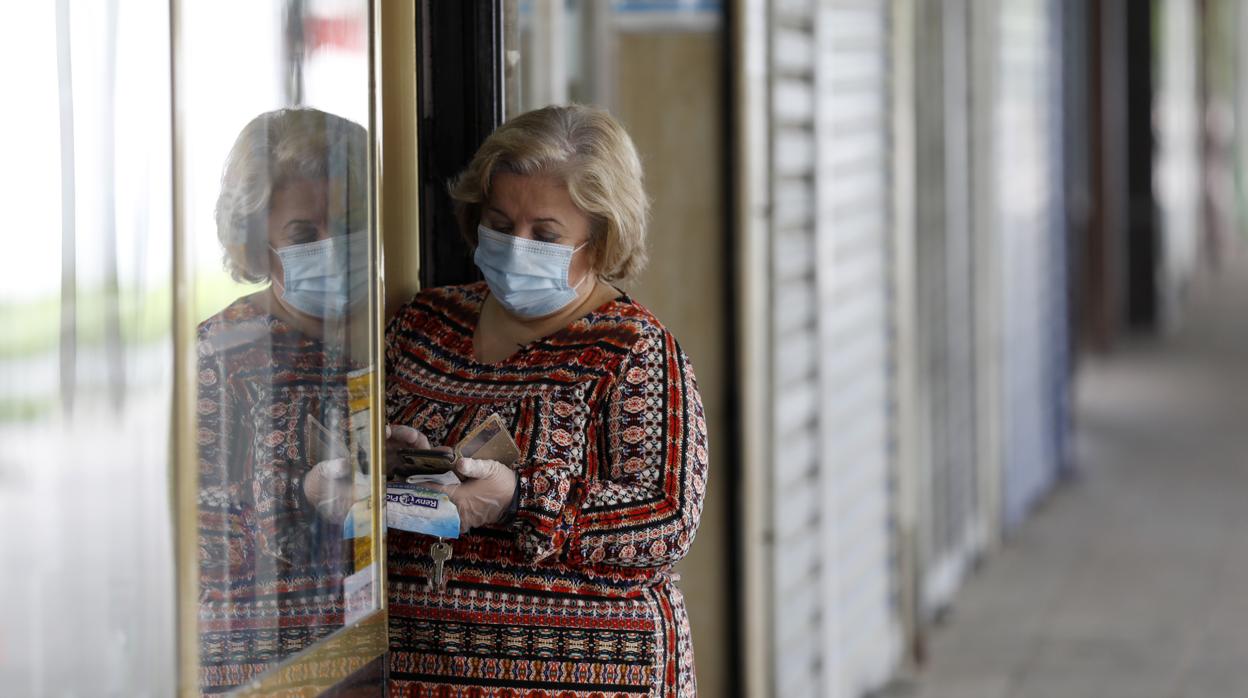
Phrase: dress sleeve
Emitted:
{"points": [[643, 509]]}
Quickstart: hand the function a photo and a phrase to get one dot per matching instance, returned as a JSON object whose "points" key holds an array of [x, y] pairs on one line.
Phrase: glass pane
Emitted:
{"points": [[557, 51], [273, 107], [86, 596]]}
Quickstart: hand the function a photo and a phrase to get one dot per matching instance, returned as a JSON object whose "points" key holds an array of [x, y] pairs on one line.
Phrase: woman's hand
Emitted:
{"points": [[486, 493], [397, 437], [332, 486]]}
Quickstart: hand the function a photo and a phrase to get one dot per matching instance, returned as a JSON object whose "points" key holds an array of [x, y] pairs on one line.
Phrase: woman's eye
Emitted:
{"points": [[301, 233], [546, 236]]}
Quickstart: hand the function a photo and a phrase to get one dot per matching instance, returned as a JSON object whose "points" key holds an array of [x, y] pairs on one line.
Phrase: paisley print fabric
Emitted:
{"points": [[574, 596]]}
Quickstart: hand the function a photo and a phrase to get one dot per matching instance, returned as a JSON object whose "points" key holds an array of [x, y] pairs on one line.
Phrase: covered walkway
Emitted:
{"points": [[1130, 581]]}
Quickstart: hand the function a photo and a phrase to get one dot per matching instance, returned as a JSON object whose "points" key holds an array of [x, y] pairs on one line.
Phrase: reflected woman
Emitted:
{"points": [[273, 385]]}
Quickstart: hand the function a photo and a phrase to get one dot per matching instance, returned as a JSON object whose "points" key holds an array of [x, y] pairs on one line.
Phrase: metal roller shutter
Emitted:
{"points": [[1178, 167], [834, 622], [853, 223], [1033, 257], [797, 564], [954, 530]]}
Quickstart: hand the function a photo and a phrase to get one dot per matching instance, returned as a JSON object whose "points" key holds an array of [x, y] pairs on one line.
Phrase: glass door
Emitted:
{"points": [[277, 342]]}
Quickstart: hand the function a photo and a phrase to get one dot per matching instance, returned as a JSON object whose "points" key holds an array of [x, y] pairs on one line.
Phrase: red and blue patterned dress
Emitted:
{"points": [[575, 595], [270, 571]]}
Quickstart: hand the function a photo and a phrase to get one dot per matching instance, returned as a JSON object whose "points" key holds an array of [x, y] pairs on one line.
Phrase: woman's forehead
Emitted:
{"points": [[527, 194], [331, 196]]}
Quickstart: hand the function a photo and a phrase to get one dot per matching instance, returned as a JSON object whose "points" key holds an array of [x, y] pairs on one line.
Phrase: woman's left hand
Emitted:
{"points": [[485, 494]]}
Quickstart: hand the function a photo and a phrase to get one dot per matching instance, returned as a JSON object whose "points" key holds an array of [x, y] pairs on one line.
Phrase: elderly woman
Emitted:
{"points": [[273, 372], [562, 582]]}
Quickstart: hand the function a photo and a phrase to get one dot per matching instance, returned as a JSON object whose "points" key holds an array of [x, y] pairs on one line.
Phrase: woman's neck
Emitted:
{"points": [[346, 333], [499, 333], [542, 326]]}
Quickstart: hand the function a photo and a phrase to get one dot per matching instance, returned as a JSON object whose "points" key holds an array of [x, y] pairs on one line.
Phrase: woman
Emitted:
{"points": [[562, 583], [273, 373]]}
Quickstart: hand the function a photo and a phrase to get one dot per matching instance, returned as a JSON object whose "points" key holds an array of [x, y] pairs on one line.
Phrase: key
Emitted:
{"points": [[440, 552]]}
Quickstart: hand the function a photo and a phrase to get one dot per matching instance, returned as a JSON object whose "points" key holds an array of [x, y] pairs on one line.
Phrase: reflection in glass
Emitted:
{"points": [[283, 399], [276, 219], [558, 51]]}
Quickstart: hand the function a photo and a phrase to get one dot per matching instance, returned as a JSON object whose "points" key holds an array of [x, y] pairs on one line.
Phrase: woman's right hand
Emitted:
{"points": [[399, 436]]}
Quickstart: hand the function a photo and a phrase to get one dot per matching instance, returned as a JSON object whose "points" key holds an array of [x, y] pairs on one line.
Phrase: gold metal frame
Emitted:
{"points": [[183, 467], [326, 663], [392, 76]]}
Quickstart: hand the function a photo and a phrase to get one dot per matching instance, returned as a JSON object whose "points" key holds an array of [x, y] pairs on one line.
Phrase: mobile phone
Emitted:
{"points": [[423, 461]]}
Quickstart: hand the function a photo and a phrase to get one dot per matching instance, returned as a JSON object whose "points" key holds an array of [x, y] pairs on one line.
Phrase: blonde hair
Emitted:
{"points": [[591, 153], [272, 150]]}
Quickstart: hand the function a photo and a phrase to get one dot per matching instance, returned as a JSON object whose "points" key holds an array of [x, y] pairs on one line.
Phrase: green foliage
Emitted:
{"points": [[143, 315]]}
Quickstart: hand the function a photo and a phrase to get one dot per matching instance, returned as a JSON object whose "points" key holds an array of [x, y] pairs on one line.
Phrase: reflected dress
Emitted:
{"points": [[575, 595], [271, 571]]}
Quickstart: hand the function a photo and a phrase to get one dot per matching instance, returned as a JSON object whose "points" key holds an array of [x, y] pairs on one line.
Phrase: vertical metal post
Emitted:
{"points": [[752, 199], [183, 473], [1143, 246], [906, 458]]}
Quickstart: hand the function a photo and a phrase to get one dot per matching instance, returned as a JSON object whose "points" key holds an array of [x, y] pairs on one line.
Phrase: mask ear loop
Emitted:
{"points": [[589, 273], [281, 287]]}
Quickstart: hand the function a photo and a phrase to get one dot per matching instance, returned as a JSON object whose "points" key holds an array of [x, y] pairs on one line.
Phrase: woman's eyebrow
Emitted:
{"points": [[298, 221], [548, 220]]}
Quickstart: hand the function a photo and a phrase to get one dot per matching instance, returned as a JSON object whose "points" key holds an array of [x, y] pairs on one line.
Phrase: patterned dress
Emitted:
{"points": [[575, 595], [270, 572]]}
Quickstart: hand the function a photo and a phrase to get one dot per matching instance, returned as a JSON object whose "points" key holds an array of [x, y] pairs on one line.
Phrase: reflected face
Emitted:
{"points": [[538, 207], [301, 212]]}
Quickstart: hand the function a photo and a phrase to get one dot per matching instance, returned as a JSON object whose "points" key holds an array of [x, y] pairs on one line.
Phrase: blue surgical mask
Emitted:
{"points": [[325, 278], [528, 277]]}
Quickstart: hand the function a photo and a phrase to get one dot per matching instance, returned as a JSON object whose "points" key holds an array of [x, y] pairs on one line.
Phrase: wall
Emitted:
{"points": [[675, 118]]}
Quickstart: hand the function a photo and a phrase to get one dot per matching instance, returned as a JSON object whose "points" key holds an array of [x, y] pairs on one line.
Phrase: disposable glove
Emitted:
{"points": [[485, 494], [332, 486]]}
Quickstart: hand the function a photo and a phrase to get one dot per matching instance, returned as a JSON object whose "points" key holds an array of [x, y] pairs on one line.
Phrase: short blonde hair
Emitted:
{"points": [[591, 153], [272, 150]]}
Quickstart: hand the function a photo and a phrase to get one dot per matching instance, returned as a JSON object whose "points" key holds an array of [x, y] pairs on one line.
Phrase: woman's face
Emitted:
{"points": [[538, 207], [300, 212]]}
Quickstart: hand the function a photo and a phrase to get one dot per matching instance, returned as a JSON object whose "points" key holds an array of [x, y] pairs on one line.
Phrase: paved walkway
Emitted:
{"points": [[1132, 580]]}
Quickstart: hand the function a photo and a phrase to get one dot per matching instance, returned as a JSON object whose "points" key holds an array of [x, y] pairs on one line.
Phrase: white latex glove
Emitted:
{"points": [[485, 494], [332, 487]]}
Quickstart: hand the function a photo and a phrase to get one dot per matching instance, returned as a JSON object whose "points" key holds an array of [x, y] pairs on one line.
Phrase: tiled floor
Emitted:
{"points": [[1131, 581]]}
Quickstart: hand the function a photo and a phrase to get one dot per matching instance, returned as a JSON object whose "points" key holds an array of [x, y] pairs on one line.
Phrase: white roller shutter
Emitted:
{"points": [[834, 622], [853, 224], [1178, 166], [798, 564], [1033, 262]]}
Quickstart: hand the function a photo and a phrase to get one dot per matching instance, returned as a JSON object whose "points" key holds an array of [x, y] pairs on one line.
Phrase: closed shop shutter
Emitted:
{"points": [[1033, 257], [1178, 162], [798, 564], [834, 619], [954, 530], [853, 225]]}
